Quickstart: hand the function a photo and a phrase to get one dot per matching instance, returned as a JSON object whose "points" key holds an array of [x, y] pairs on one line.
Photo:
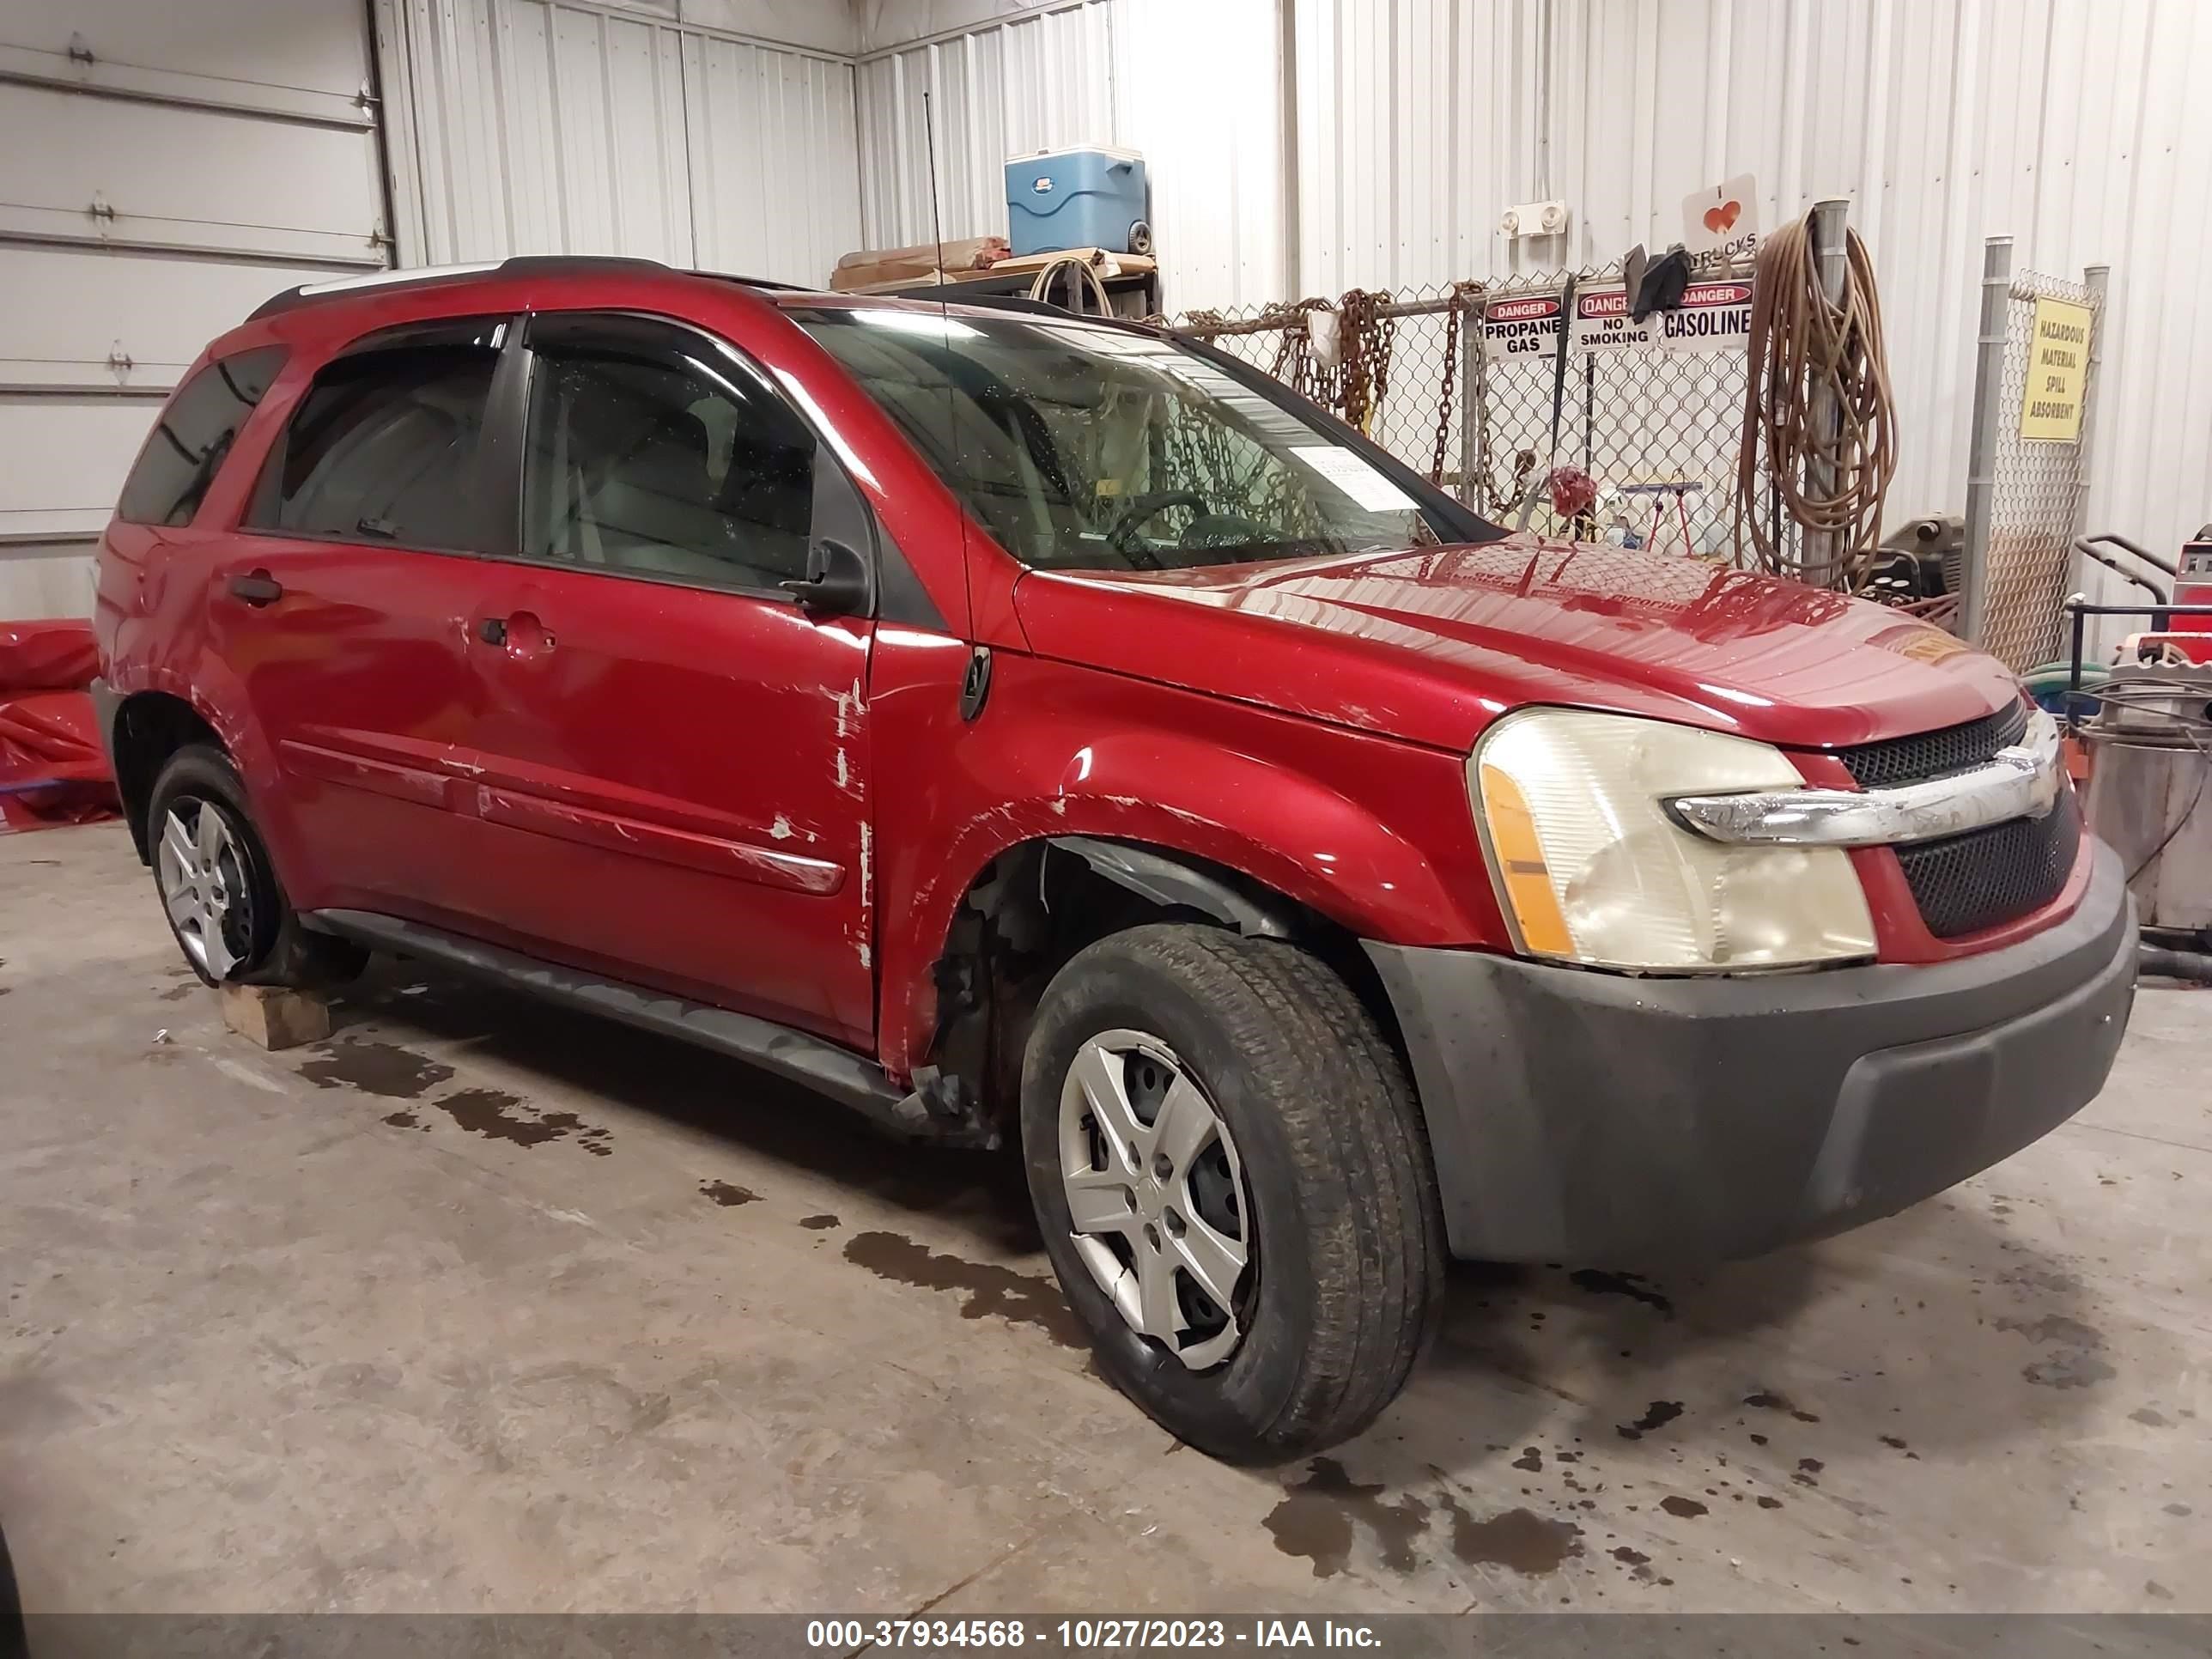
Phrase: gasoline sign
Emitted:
{"points": [[2058, 371]]}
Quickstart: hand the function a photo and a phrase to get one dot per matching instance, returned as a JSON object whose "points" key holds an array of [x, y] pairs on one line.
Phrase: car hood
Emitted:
{"points": [[1431, 644]]}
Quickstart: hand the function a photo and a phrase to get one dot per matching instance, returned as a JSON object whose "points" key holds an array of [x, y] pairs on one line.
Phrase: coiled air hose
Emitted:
{"points": [[1801, 345]]}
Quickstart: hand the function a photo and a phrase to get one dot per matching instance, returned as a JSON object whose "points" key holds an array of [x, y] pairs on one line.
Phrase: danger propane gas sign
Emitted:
{"points": [[1712, 317]]}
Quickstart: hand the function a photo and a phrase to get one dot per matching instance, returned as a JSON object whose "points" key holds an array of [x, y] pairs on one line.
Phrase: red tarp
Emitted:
{"points": [[52, 769]]}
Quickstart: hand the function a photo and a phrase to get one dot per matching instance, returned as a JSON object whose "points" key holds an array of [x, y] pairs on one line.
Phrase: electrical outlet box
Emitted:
{"points": [[1534, 219]]}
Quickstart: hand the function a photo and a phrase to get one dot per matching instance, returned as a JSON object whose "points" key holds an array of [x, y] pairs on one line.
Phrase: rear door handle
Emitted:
{"points": [[256, 588]]}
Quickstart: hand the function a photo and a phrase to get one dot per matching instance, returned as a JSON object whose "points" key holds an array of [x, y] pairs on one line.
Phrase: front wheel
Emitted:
{"points": [[1234, 1186]]}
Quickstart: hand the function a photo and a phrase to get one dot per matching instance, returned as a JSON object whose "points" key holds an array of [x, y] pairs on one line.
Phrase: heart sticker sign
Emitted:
{"points": [[1722, 220]]}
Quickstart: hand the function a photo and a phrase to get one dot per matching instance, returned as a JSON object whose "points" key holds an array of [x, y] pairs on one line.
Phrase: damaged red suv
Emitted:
{"points": [[1055, 734]]}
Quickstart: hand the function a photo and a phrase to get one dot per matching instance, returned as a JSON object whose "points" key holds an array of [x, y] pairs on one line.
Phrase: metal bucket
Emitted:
{"points": [[2150, 789]]}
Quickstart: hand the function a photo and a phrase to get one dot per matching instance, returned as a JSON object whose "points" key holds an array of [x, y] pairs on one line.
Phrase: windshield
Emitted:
{"points": [[1088, 448]]}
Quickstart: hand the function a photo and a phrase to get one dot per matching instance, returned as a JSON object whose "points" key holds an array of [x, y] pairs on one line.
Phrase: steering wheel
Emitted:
{"points": [[1122, 537]]}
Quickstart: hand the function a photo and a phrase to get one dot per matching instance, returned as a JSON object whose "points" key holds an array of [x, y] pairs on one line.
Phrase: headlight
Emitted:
{"points": [[1589, 867]]}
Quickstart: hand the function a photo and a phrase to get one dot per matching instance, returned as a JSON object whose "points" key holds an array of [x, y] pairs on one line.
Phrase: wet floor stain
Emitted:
{"points": [[1530, 1459], [1628, 1284], [992, 1291], [589, 1136], [1767, 1400], [1316, 1520], [1893, 1442], [2147, 1418], [1518, 1539], [1657, 1415], [1687, 1509], [1629, 1558], [403, 1119], [727, 1196], [2076, 1360], [490, 1113], [375, 1068], [1766, 1503], [178, 992], [817, 1223], [2179, 1509]]}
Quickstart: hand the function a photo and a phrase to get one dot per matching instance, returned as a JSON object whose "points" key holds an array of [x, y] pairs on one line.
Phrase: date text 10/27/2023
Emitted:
{"points": [[1089, 1635]]}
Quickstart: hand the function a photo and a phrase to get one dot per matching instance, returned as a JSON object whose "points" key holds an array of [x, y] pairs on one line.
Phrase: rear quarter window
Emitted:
{"points": [[190, 441]]}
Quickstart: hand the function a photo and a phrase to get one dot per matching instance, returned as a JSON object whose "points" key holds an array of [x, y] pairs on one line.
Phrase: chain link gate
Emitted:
{"points": [[1657, 431], [2035, 487]]}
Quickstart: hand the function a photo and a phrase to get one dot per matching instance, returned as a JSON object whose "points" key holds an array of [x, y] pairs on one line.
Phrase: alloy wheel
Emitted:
{"points": [[204, 885], [1156, 1192]]}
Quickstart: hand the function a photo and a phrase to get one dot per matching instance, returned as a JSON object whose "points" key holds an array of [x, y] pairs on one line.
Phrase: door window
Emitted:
{"points": [[193, 436], [655, 451], [383, 447]]}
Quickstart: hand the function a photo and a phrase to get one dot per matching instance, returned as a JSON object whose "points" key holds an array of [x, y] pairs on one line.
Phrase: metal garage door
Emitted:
{"points": [[163, 169]]}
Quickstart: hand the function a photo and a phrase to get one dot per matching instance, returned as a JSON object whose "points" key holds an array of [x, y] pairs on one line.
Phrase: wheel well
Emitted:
{"points": [[149, 727], [1036, 904]]}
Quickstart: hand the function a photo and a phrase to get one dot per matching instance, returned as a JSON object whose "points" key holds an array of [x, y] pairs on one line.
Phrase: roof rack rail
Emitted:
{"points": [[519, 264], [755, 281]]}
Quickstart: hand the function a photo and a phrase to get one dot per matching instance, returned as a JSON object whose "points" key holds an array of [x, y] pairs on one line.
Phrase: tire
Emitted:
{"points": [[1337, 1211], [257, 940]]}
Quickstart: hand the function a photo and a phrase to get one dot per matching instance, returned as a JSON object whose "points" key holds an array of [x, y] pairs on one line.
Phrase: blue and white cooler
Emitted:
{"points": [[1090, 195]]}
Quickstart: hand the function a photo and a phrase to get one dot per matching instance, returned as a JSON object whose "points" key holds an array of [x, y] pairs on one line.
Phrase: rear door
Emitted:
{"points": [[677, 752], [341, 607]]}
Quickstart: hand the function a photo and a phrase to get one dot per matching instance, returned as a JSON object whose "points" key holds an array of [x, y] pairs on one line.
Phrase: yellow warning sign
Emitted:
{"points": [[2057, 372]]}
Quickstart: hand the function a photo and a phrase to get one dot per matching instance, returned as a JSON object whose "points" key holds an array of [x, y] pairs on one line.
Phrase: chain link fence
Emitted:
{"points": [[2036, 492], [1466, 384]]}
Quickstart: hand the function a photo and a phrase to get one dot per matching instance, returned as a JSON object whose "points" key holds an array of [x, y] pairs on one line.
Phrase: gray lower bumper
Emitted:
{"points": [[1592, 1117]]}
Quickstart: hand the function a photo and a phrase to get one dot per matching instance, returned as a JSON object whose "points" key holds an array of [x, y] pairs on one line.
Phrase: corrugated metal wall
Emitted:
{"points": [[1194, 87], [1013, 85], [544, 128], [2073, 126]]}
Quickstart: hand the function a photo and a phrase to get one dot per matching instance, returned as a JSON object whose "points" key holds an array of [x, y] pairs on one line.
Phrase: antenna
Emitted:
{"points": [[951, 414], [936, 223]]}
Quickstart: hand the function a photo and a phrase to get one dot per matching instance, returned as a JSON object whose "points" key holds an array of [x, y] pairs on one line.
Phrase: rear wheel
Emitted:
{"points": [[1234, 1186], [219, 890]]}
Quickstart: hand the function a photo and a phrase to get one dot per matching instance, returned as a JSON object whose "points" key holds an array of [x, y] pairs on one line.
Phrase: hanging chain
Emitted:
{"points": [[1450, 384]]}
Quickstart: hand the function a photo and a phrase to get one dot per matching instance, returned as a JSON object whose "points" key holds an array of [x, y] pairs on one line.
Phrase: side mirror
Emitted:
{"points": [[838, 581]]}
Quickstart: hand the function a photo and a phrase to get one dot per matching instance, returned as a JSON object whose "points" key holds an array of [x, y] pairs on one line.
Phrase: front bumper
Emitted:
{"points": [[1583, 1116]]}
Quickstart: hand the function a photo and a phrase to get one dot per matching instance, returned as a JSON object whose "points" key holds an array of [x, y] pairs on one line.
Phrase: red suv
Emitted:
{"points": [[1054, 733]]}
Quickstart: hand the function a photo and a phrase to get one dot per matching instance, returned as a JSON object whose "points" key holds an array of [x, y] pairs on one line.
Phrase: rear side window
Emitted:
{"points": [[191, 439], [383, 447]]}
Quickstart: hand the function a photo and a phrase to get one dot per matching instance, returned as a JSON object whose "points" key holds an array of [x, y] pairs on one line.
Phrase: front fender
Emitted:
{"points": [[1373, 834]]}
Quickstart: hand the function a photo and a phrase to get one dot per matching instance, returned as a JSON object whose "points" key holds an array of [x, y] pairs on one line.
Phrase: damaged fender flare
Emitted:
{"points": [[1173, 885]]}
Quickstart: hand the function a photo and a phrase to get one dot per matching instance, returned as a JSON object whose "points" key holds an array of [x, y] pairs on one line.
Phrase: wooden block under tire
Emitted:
{"points": [[274, 1016]]}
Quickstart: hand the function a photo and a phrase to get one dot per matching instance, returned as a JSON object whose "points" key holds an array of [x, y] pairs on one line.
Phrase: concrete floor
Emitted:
{"points": [[481, 1305]]}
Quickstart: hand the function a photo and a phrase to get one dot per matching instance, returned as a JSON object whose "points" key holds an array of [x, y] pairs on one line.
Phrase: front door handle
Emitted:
{"points": [[256, 588], [521, 635]]}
